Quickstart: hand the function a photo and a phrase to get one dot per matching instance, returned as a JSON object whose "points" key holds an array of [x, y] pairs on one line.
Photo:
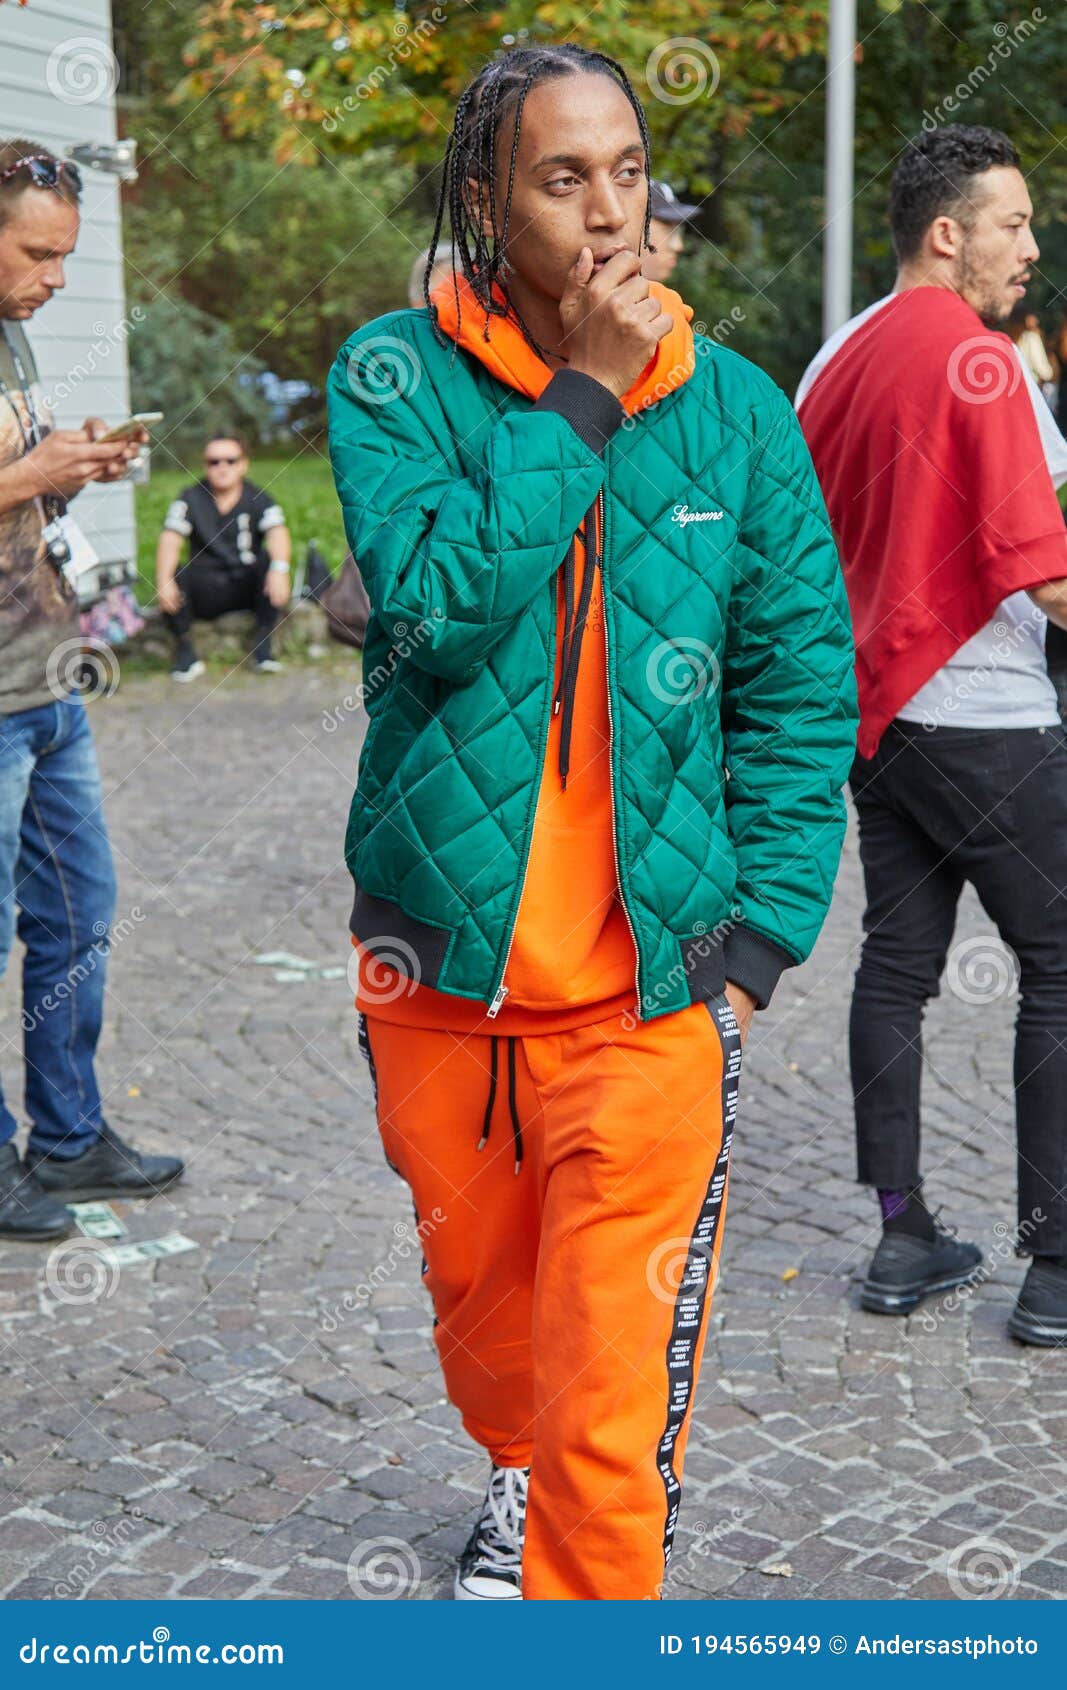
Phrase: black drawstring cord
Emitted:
{"points": [[516, 1127], [482, 1142], [513, 1108], [568, 616], [572, 650]]}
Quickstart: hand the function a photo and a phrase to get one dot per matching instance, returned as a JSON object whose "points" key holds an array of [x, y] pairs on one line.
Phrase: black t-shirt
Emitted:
{"points": [[234, 541]]}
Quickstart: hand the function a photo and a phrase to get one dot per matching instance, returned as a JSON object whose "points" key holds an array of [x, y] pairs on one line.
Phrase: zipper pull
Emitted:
{"points": [[494, 1007]]}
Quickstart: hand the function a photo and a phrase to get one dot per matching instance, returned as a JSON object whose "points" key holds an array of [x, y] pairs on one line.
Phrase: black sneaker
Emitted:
{"points": [[904, 1270], [490, 1568], [1040, 1314], [109, 1168], [26, 1210]]}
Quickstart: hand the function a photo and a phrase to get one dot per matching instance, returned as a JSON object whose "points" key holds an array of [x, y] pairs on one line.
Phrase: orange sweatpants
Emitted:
{"points": [[571, 1261]]}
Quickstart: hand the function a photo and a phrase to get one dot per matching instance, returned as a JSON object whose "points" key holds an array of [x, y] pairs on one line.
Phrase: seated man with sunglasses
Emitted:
{"points": [[239, 553], [57, 881]]}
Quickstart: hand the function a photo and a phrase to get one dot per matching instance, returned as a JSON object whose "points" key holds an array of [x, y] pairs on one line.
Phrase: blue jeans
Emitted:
{"points": [[57, 890]]}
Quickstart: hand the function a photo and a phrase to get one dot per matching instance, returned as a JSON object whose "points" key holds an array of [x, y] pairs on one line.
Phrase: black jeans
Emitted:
{"points": [[937, 809], [208, 592]]}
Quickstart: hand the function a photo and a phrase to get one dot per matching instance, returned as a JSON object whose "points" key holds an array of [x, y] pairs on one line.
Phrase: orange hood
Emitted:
{"points": [[508, 355]]}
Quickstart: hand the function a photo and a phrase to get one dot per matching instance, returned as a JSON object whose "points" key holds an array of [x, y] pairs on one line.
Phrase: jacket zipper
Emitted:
{"points": [[611, 770], [502, 990]]}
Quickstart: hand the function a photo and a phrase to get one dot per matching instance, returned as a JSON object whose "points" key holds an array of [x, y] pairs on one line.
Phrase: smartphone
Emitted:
{"points": [[140, 419]]}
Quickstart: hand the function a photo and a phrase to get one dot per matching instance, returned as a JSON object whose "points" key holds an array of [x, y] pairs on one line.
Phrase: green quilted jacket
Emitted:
{"points": [[730, 659]]}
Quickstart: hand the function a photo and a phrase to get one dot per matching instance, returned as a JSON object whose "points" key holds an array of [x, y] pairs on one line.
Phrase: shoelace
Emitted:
{"points": [[500, 1529]]}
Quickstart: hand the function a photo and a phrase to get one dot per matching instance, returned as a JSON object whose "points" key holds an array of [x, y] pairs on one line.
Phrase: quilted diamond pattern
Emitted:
{"points": [[729, 649]]}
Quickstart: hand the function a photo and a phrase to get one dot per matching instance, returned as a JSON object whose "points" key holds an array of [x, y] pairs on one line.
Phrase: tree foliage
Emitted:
{"points": [[293, 148]]}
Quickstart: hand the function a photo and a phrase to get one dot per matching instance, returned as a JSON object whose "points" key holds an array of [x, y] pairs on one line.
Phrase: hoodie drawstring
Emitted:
{"points": [[574, 629], [513, 1108]]}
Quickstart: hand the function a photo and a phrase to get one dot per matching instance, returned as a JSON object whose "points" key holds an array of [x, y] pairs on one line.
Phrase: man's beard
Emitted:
{"points": [[990, 304]]}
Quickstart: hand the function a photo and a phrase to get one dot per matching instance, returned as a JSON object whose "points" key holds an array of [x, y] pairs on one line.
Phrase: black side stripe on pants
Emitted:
{"points": [[692, 1295]]}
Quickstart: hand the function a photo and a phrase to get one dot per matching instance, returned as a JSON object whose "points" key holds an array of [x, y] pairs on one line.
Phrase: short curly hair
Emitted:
{"points": [[936, 177]]}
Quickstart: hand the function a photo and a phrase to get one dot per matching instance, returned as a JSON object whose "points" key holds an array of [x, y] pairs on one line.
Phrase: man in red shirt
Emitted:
{"points": [[937, 459]]}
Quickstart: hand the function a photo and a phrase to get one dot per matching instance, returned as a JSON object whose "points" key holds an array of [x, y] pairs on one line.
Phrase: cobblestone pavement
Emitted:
{"points": [[238, 1420]]}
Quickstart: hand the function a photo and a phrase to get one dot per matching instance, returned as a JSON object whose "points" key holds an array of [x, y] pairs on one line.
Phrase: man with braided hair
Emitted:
{"points": [[599, 804]]}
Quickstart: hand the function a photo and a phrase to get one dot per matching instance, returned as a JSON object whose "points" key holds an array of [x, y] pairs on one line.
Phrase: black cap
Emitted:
{"points": [[666, 207]]}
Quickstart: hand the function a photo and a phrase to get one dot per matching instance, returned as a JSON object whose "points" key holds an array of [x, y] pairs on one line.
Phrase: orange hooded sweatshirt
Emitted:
{"points": [[573, 959]]}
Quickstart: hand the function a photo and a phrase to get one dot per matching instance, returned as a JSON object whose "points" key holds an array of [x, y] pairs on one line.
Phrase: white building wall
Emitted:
{"points": [[57, 86]]}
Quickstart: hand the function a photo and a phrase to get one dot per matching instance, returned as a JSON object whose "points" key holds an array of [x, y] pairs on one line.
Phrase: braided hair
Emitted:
{"points": [[499, 89]]}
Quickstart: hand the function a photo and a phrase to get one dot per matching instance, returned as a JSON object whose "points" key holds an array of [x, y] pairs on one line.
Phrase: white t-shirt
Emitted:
{"points": [[998, 679]]}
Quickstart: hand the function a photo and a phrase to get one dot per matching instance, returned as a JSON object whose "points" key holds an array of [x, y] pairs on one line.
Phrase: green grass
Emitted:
{"points": [[301, 483]]}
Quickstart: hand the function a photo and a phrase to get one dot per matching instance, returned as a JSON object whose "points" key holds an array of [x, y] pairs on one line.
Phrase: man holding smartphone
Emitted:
{"points": [[57, 884]]}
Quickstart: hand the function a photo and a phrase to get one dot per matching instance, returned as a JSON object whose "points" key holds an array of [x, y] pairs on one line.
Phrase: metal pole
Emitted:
{"points": [[840, 139]]}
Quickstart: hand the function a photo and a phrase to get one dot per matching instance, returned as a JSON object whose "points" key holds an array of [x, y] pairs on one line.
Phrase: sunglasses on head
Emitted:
{"points": [[45, 172]]}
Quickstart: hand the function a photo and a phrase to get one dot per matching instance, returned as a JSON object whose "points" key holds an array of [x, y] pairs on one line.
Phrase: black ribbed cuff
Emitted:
{"points": [[592, 409], [754, 963]]}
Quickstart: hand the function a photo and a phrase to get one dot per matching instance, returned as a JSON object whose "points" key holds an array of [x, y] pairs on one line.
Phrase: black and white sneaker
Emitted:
{"points": [[904, 1270], [490, 1568]]}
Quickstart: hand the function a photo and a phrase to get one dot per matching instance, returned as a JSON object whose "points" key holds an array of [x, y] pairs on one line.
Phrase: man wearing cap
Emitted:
{"points": [[668, 215]]}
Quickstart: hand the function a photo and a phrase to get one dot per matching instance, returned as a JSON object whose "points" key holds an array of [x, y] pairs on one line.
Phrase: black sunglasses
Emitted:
{"points": [[213, 462], [45, 172]]}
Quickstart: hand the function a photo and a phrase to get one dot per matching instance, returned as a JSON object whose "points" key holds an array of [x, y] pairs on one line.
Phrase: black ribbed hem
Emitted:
{"points": [[385, 930], [754, 963], [592, 409]]}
